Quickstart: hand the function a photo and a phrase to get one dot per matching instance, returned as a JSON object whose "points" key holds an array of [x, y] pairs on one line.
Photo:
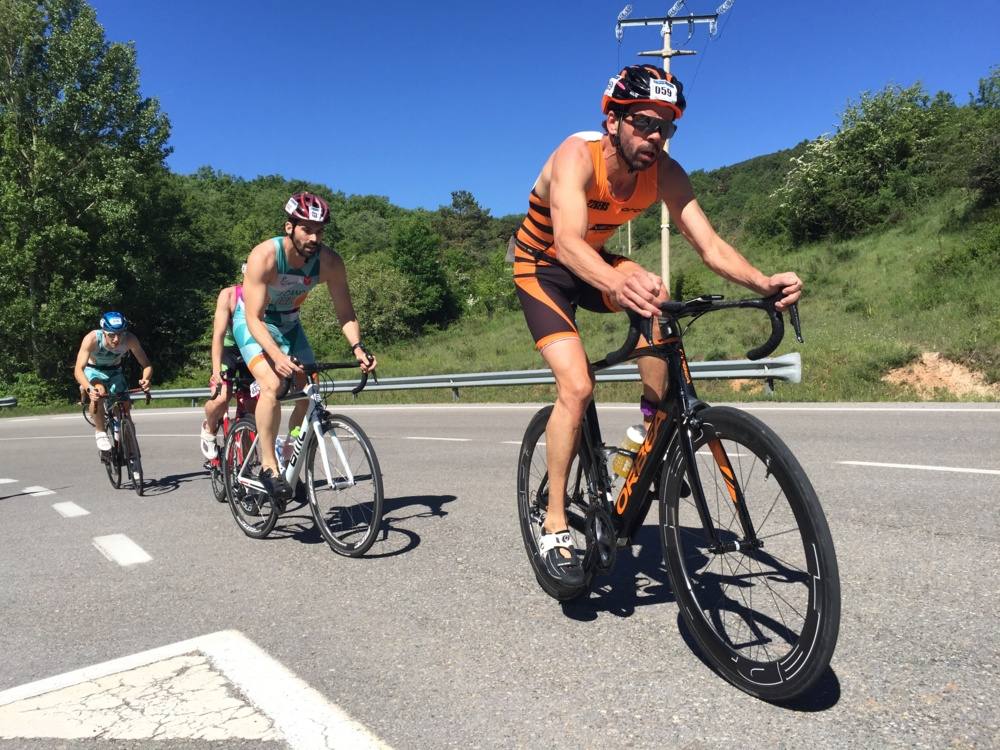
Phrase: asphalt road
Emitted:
{"points": [[440, 636]]}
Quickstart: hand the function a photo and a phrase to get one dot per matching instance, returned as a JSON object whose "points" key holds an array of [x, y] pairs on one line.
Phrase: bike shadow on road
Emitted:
{"points": [[165, 485], [393, 539], [638, 579]]}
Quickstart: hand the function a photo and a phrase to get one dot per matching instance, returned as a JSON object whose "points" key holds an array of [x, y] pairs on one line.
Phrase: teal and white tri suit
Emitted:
{"points": [[105, 364], [281, 316]]}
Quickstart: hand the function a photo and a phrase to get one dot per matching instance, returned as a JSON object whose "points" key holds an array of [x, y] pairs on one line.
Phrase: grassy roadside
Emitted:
{"points": [[871, 304]]}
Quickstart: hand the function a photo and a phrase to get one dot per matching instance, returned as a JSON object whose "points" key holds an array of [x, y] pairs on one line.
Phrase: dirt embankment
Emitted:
{"points": [[932, 374]]}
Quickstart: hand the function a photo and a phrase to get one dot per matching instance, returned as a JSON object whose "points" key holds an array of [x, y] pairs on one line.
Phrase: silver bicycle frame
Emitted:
{"points": [[310, 429]]}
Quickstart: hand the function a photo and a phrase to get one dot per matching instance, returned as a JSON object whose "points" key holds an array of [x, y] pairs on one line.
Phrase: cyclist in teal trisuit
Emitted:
{"points": [[99, 367], [280, 273]]}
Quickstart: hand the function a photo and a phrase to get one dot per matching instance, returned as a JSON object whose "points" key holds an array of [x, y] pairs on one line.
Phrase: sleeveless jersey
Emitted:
{"points": [[291, 286], [534, 240], [103, 357]]}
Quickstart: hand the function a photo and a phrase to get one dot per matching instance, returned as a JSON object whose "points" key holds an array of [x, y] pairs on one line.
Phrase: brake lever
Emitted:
{"points": [[793, 314]]}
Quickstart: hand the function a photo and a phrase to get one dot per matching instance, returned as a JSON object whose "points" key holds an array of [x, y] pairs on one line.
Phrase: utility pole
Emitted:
{"points": [[666, 26]]}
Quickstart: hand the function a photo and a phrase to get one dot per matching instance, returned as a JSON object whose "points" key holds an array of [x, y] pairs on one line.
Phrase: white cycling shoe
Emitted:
{"points": [[208, 447], [103, 442]]}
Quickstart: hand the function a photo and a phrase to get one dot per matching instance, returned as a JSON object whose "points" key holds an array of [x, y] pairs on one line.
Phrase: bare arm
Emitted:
{"points": [[219, 325], [87, 347], [334, 273], [675, 190], [140, 356]]}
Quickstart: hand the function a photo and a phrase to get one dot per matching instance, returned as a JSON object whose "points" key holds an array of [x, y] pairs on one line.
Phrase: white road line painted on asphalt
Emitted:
{"points": [[919, 467], [303, 715], [7, 481], [38, 491], [451, 440], [21, 419], [120, 549], [70, 510]]}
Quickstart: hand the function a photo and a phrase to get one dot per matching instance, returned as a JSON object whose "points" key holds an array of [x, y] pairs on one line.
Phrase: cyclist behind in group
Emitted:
{"points": [[99, 367], [280, 273], [226, 361], [589, 186]]}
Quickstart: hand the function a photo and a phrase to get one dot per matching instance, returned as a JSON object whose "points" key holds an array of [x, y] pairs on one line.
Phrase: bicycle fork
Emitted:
{"points": [[685, 434]]}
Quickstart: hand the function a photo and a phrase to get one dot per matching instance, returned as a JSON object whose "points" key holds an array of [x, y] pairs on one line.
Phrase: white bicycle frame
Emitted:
{"points": [[310, 429]]}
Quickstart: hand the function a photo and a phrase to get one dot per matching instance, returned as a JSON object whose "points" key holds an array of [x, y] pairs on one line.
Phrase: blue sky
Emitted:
{"points": [[414, 100]]}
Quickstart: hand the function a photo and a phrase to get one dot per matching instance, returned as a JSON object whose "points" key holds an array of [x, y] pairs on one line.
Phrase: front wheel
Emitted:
{"points": [[254, 511], [533, 503], [112, 463], [766, 616], [130, 451], [345, 490]]}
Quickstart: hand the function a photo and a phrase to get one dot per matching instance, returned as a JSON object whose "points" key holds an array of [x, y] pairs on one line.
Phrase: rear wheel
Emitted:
{"points": [[348, 509], [130, 451], [533, 502], [254, 511], [767, 618]]}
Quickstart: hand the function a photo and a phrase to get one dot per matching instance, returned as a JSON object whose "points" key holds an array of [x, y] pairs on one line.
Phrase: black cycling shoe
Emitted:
{"points": [[566, 570], [275, 486]]}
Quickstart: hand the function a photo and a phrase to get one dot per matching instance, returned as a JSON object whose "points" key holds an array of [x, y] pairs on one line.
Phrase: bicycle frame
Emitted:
{"points": [[312, 428], [675, 420]]}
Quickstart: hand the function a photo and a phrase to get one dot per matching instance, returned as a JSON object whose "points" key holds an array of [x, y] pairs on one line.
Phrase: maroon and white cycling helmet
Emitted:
{"points": [[307, 207]]}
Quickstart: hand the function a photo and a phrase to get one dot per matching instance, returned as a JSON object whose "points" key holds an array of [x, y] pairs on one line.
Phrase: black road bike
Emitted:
{"points": [[124, 453], [746, 545]]}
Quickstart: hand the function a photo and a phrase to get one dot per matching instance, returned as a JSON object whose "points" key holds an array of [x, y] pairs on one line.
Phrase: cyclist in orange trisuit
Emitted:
{"points": [[592, 184]]}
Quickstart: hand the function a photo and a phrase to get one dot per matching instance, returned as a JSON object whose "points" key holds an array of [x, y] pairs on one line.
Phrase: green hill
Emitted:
{"points": [[893, 222]]}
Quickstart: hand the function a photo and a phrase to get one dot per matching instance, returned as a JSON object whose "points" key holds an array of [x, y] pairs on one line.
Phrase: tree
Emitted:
{"points": [[870, 171], [80, 151], [416, 252]]}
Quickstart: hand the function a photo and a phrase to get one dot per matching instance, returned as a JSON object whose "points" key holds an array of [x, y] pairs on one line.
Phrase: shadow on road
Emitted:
{"points": [[164, 485], [393, 539], [638, 579]]}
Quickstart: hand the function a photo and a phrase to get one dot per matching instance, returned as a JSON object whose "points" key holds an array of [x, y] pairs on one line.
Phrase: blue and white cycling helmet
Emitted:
{"points": [[114, 322]]}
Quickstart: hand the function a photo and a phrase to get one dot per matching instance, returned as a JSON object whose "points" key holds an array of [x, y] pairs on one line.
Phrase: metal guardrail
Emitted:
{"points": [[787, 367], [8, 401]]}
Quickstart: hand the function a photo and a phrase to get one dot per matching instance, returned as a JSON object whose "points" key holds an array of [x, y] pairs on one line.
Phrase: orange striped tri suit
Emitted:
{"points": [[549, 293]]}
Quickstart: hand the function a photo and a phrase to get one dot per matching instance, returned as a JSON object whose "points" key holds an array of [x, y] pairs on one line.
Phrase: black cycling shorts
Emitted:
{"points": [[550, 294]]}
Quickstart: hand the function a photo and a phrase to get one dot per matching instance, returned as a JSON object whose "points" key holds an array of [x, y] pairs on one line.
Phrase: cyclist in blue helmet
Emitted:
{"points": [[99, 366]]}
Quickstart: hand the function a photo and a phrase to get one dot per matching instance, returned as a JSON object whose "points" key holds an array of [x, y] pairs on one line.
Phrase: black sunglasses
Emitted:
{"points": [[646, 125]]}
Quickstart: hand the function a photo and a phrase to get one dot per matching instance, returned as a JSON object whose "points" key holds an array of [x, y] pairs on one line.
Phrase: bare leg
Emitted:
{"points": [[268, 413], [216, 408], [575, 388], [96, 410]]}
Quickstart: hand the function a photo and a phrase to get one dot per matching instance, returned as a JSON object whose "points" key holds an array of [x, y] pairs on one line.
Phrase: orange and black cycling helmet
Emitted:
{"points": [[307, 207], [639, 84]]}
